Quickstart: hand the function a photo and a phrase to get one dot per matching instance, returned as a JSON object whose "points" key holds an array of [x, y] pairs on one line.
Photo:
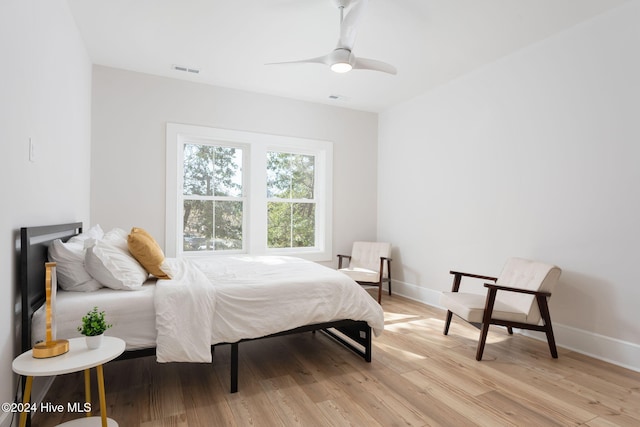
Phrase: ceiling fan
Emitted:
{"points": [[342, 59]]}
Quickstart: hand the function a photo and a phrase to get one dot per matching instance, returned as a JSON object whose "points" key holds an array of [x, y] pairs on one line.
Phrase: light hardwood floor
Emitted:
{"points": [[418, 377]]}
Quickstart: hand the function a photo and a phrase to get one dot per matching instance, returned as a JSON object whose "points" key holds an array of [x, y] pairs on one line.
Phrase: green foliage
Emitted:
{"points": [[291, 222], [93, 323], [213, 215], [212, 171], [291, 225], [290, 176]]}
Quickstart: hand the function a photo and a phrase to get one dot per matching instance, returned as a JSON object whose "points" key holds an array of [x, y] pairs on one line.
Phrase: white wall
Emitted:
{"points": [[45, 94], [536, 155], [130, 112]]}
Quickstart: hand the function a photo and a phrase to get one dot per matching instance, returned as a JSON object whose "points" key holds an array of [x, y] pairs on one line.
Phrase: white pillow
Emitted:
{"points": [[69, 259], [94, 233], [117, 237], [114, 267]]}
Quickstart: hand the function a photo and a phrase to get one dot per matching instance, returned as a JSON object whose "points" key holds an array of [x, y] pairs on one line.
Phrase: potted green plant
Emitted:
{"points": [[93, 327]]}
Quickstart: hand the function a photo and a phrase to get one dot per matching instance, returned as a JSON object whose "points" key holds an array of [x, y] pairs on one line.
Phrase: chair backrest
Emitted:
{"points": [[525, 274], [367, 255]]}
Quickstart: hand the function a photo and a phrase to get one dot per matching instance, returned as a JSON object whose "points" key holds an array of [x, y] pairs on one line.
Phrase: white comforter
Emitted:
{"points": [[226, 299]]}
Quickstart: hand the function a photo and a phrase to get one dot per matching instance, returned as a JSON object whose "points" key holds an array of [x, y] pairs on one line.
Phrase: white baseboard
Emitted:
{"points": [[612, 350], [416, 293]]}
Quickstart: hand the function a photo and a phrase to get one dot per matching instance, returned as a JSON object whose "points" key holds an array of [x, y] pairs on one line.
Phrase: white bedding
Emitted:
{"points": [[131, 312], [184, 314], [250, 297], [229, 298]]}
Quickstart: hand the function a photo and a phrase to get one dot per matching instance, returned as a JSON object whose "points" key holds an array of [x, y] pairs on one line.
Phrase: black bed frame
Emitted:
{"points": [[34, 244]]}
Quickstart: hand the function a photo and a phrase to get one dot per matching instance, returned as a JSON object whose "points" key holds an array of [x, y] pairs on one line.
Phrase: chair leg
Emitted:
{"points": [[546, 317], [482, 341], [380, 292], [389, 274], [486, 321], [447, 322], [510, 330]]}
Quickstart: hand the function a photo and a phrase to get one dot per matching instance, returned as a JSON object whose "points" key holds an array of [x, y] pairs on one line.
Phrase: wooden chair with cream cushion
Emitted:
{"points": [[369, 264], [516, 299]]}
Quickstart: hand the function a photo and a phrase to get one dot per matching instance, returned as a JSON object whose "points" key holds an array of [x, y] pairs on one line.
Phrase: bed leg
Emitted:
{"points": [[234, 367], [367, 347]]}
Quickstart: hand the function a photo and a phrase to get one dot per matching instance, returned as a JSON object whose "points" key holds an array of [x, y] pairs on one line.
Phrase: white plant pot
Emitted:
{"points": [[94, 341]]}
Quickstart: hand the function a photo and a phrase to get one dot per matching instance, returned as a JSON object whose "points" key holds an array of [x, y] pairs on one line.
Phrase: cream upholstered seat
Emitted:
{"points": [[518, 299], [369, 264]]}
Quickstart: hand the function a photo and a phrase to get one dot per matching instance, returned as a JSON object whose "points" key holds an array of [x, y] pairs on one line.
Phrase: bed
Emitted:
{"points": [[242, 291]]}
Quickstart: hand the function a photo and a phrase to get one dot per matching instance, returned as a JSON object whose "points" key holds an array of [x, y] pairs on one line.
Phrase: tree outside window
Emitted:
{"points": [[291, 204], [231, 191], [212, 197]]}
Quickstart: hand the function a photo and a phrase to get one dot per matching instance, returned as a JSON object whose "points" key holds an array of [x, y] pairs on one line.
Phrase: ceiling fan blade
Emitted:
{"points": [[375, 65], [318, 60], [349, 25], [341, 60]]}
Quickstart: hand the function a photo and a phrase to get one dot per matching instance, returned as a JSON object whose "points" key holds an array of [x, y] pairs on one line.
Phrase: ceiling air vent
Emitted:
{"points": [[185, 69], [338, 98]]}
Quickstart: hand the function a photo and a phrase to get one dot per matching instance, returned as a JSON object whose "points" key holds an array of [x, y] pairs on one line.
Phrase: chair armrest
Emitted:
{"points": [[475, 276], [457, 278], [518, 290]]}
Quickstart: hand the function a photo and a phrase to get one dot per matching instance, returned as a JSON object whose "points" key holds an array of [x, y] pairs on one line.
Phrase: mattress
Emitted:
{"points": [[131, 313]]}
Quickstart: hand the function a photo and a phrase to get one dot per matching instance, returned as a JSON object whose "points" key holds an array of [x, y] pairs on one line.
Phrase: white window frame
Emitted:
{"points": [[255, 147]]}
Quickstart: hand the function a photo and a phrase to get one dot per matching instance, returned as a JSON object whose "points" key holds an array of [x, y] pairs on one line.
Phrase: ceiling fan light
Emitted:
{"points": [[341, 67]]}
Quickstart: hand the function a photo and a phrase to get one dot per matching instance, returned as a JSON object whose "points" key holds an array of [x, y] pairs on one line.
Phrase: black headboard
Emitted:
{"points": [[34, 246]]}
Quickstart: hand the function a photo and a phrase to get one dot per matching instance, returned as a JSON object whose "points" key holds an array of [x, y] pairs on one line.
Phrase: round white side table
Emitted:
{"points": [[78, 358]]}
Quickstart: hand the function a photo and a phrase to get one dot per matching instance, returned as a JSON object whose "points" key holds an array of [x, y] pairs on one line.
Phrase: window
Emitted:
{"points": [[241, 192], [291, 205], [213, 203]]}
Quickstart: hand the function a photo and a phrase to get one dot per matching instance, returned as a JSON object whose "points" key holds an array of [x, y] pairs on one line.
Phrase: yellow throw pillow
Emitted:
{"points": [[146, 251]]}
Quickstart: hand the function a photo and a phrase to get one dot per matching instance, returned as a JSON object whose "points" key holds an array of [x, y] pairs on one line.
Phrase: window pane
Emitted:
{"points": [[212, 226], [212, 171], [198, 225], [228, 226], [290, 176], [291, 225]]}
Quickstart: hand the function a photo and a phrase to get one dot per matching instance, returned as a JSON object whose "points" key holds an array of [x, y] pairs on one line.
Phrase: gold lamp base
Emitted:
{"points": [[50, 349]]}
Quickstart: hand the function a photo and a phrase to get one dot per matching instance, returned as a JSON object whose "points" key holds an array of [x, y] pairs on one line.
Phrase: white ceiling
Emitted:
{"points": [[430, 42]]}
